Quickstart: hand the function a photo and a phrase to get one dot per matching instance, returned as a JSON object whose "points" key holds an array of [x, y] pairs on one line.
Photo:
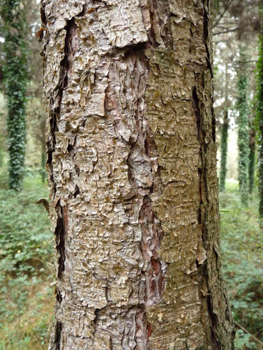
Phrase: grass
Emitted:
{"points": [[31, 329], [27, 303]]}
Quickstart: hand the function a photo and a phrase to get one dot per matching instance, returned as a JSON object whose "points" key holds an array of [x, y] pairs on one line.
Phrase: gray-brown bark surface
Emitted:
{"points": [[132, 168]]}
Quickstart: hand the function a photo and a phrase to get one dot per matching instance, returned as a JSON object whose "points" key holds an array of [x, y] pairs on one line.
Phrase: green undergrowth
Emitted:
{"points": [[27, 300], [26, 271], [242, 259]]}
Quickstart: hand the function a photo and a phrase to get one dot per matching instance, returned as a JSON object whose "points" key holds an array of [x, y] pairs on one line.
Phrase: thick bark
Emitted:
{"points": [[132, 168]]}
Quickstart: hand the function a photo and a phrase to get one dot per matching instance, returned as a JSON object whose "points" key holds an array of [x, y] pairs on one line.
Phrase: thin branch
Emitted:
{"points": [[252, 336], [246, 61], [226, 31], [222, 14]]}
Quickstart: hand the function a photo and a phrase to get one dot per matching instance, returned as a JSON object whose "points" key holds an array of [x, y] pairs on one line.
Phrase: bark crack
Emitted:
{"points": [[206, 31], [60, 234]]}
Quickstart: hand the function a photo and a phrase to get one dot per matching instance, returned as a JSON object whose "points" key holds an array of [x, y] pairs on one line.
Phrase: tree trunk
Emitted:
{"points": [[132, 169], [14, 29], [224, 144], [252, 156], [243, 131], [259, 119], [224, 138], [43, 163]]}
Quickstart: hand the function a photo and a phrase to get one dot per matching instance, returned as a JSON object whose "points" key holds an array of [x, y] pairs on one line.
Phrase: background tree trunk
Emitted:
{"points": [[259, 119], [252, 155], [132, 168], [14, 29], [243, 130], [223, 161], [224, 139]]}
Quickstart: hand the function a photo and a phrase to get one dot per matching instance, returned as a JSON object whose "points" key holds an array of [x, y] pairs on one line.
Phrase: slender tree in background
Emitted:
{"points": [[243, 130], [234, 22], [252, 156], [35, 108], [223, 161], [259, 122], [15, 84], [224, 139], [132, 169]]}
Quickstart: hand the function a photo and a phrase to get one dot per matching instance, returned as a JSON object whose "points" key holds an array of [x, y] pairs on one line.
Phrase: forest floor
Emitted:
{"points": [[27, 276]]}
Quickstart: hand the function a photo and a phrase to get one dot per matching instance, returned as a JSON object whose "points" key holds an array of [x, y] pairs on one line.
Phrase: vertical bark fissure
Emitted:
{"points": [[56, 336], [200, 138], [214, 324], [206, 5], [142, 333], [60, 240], [61, 211], [56, 98], [58, 332], [198, 108], [60, 214], [197, 114], [142, 154], [204, 185], [212, 244], [154, 268]]}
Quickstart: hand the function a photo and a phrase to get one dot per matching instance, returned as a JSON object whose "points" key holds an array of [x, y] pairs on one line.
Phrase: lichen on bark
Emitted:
{"points": [[132, 169]]}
